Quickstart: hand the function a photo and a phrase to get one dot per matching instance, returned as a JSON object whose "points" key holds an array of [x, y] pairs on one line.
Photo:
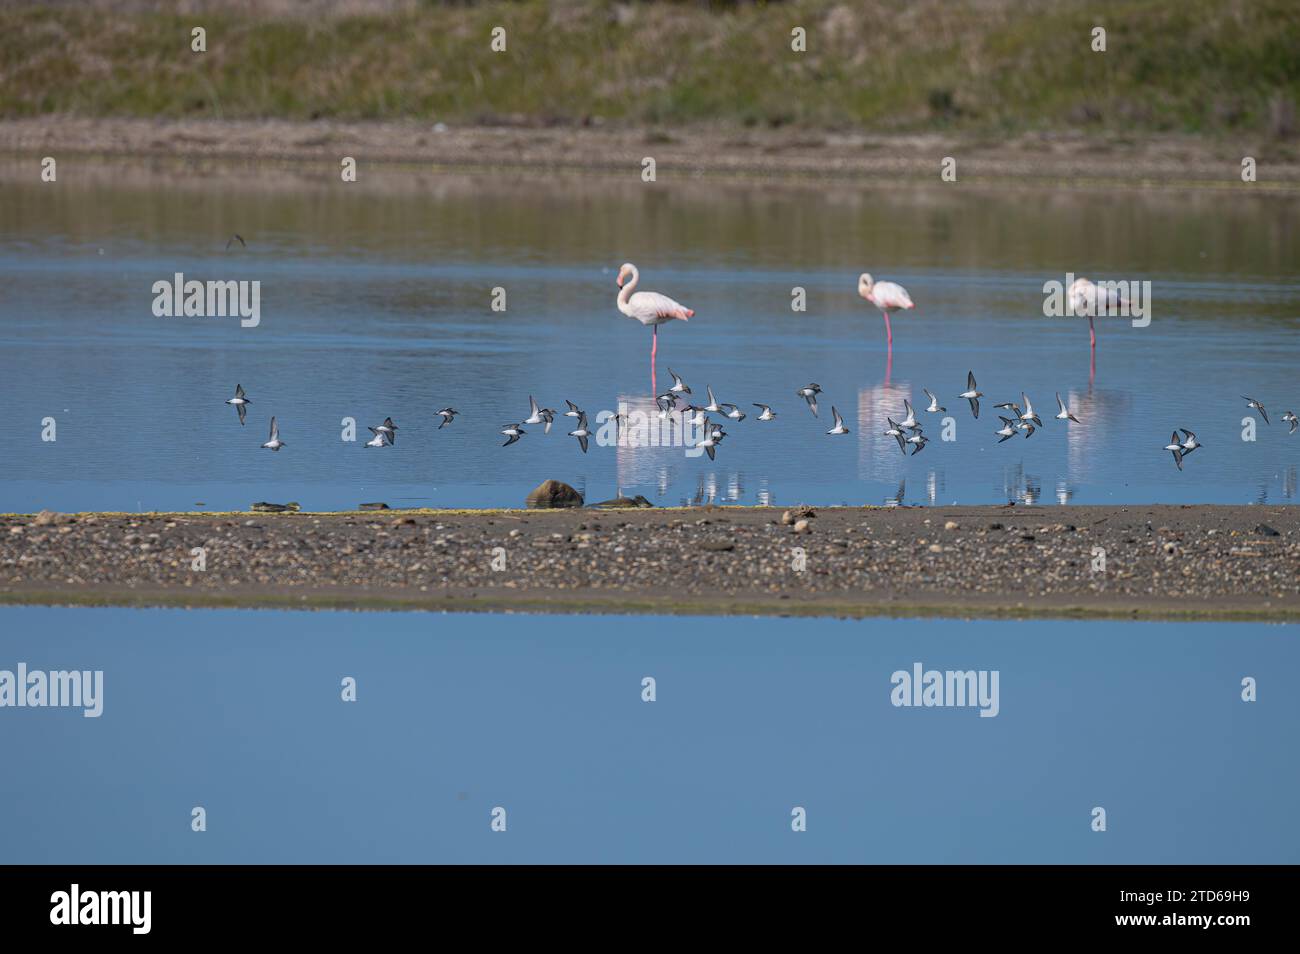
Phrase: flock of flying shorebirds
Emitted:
{"points": [[654, 309]]}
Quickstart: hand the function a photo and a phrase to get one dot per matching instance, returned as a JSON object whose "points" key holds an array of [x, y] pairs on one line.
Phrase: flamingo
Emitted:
{"points": [[1086, 297], [886, 296], [649, 308]]}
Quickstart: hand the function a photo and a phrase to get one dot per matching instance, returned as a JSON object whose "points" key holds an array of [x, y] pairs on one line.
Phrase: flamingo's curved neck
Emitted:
{"points": [[625, 293]]}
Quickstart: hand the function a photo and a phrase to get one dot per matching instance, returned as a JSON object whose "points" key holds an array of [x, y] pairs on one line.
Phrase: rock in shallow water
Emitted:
{"points": [[624, 503], [554, 493]]}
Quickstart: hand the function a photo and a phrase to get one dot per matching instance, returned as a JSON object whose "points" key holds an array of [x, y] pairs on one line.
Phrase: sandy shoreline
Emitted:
{"points": [[1058, 160], [1161, 562]]}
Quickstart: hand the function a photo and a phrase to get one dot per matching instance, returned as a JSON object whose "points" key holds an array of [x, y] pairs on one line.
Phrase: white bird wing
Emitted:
{"points": [[1029, 408], [1088, 297], [1110, 295], [652, 306], [275, 430], [891, 295]]}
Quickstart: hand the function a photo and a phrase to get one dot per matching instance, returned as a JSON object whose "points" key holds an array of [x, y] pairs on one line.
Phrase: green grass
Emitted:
{"points": [[621, 604], [994, 66]]}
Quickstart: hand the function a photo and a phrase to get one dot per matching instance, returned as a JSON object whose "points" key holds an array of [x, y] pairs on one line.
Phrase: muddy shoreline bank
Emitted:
{"points": [[314, 150], [1147, 562]]}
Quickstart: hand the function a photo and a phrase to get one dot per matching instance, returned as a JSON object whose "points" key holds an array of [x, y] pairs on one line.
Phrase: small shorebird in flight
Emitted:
{"points": [[1190, 443], [896, 433], [539, 415], [809, 393], [712, 407], [918, 440], [574, 410], [649, 308], [1252, 403], [886, 296], [839, 427], [379, 440], [1029, 414], [448, 414], [733, 412], [512, 432], [767, 413], [1027, 427], [241, 402], [1175, 447], [972, 394], [712, 438], [274, 443], [679, 386], [388, 429], [667, 403], [235, 238], [934, 407], [1064, 414], [581, 432], [1007, 430], [1291, 419], [909, 422]]}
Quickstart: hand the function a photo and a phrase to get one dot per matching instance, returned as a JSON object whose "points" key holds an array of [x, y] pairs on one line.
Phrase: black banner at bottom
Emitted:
{"points": [[336, 903]]}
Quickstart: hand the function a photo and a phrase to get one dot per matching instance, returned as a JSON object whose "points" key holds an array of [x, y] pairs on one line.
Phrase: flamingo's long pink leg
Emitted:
{"points": [[1092, 333], [889, 334], [654, 348]]}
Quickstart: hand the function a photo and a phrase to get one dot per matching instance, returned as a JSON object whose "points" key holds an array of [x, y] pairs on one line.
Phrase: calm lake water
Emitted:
{"points": [[240, 712], [378, 302]]}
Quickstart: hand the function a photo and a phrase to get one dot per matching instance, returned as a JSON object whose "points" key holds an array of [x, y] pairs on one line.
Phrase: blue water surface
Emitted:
{"points": [[240, 712]]}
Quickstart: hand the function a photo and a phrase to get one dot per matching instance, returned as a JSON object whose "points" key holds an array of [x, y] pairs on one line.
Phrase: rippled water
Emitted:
{"points": [[544, 717], [376, 300]]}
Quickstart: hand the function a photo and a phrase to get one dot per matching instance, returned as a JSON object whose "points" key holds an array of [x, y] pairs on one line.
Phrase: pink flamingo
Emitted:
{"points": [[887, 297], [649, 308], [1089, 298]]}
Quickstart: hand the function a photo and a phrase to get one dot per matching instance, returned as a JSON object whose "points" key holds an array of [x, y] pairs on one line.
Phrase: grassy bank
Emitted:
{"points": [[1219, 67]]}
